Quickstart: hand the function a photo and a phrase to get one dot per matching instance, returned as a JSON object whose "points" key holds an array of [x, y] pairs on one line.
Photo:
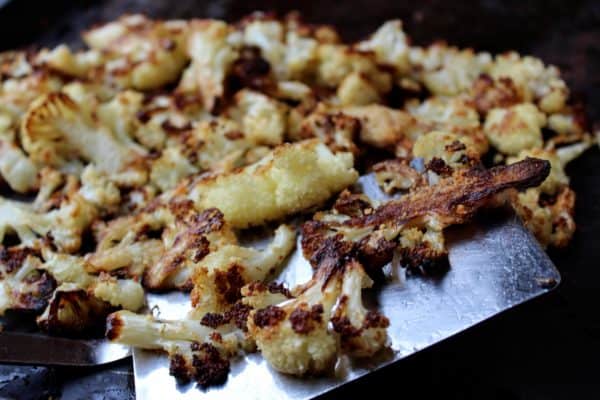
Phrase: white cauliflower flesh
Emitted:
{"points": [[290, 179], [516, 128], [16, 168]]}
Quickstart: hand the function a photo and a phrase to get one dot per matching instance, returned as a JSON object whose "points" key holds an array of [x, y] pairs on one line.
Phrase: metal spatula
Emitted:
{"points": [[39, 349], [495, 262]]}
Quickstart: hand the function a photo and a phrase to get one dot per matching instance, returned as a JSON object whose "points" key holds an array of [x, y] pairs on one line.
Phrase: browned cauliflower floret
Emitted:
{"points": [[213, 47], [23, 285], [64, 225], [548, 210], [337, 130], [447, 71], [197, 350], [534, 81], [455, 150], [397, 175], [294, 336], [549, 218], [386, 128], [162, 244], [140, 53], [57, 132], [516, 128], [220, 276]]}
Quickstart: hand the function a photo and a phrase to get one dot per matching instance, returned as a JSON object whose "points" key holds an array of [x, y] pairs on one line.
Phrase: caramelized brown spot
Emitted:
{"points": [[275, 287], [13, 257], [209, 367], [439, 166], [230, 283], [178, 367], [304, 319], [269, 316]]}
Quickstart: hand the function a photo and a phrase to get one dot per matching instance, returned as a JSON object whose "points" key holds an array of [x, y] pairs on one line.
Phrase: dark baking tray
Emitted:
{"points": [[545, 349]]}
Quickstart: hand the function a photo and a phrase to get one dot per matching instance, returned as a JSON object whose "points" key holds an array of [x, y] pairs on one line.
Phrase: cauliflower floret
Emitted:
{"points": [[261, 118], [335, 62], [516, 128], [64, 268], [196, 351], [292, 178], [551, 220], [447, 71], [356, 90], [390, 45], [64, 61], [218, 145], [396, 175], [98, 189], [16, 168], [120, 114], [23, 285], [363, 332], [290, 53], [338, 131], [293, 336], [170, 168], [141, 53], [56, 131], [385, 127], [162, 244], [456, 151], [17, 94], [535, 81], [213, 47], [219, 277], [65, 224]]}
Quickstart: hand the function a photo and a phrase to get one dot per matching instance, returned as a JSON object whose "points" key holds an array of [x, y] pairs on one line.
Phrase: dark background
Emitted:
{"points": [[546, 349]]}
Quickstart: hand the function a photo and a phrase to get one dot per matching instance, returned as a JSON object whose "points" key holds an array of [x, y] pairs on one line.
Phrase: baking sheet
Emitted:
{"points": [[495, 264]]}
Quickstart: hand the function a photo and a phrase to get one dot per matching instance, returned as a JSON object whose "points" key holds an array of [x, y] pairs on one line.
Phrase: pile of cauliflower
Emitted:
{"points": [[135, 165]]}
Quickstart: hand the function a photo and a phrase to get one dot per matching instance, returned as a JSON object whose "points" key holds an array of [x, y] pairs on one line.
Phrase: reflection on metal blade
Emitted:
{"points": [[495, 264]]}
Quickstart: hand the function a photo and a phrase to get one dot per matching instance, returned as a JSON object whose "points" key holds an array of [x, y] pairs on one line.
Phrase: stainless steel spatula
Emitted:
{"points": [[495, 264]]}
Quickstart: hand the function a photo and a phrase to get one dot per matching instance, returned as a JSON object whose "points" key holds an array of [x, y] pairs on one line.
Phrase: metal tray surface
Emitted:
{"points": [[495, 264]]}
